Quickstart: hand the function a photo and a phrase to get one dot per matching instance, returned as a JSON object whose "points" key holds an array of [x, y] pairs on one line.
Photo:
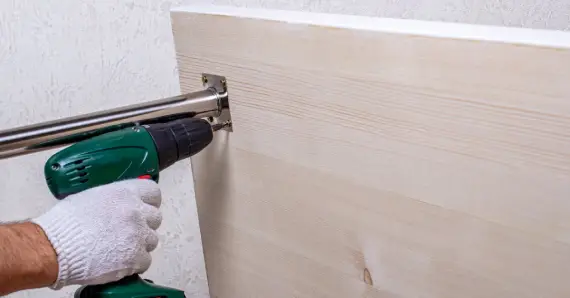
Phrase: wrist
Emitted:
{"points": [[70, 243], [27, 257], [45, 256], [41, 258]]}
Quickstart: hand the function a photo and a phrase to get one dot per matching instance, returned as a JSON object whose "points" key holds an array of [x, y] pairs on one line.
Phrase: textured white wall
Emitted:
{"points": [[61, 58]]}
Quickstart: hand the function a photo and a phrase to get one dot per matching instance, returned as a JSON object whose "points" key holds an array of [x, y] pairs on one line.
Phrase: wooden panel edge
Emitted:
{"points": [[524, 36]]}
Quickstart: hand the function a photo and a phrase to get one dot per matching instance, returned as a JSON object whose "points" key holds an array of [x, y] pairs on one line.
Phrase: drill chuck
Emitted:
{"points": [[177, 140]]}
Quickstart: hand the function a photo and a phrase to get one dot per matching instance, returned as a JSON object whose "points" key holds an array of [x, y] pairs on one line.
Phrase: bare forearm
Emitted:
{"points": [[27, 259]]}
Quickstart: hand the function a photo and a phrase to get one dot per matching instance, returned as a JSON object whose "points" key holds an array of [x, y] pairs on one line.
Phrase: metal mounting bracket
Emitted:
{"points": [[220, 86]]}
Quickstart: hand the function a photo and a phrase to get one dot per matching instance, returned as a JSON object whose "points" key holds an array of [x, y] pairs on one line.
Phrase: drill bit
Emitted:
{"points": [[218, 126]]}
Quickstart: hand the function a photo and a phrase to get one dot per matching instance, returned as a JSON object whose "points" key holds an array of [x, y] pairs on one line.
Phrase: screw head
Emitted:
{"points": [[55, 167]]}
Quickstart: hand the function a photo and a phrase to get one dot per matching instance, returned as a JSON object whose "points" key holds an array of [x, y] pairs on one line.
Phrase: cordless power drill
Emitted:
{"points": [[127, 153]]}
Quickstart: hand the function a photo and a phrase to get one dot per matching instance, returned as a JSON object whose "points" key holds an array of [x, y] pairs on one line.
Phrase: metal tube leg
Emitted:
{"points": [[211, 102]]}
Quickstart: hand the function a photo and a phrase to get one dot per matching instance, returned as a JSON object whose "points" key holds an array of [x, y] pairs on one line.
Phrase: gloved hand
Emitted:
{"points": [[105, 233]]}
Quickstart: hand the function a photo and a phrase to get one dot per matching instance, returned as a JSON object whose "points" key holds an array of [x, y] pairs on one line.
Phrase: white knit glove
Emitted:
{"points": [[105, 233]]}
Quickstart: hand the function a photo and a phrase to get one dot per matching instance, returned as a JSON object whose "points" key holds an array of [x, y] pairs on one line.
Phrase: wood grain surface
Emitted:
{"points": [[368, 163]]}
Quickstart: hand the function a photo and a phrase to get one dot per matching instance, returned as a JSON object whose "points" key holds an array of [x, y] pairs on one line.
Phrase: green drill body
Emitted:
{"points": [[129, 287], [114, 156], [128, 153]]}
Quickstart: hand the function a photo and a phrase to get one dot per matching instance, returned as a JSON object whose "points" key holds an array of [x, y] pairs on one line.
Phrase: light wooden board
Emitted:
{"points": [[381, 158]]}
